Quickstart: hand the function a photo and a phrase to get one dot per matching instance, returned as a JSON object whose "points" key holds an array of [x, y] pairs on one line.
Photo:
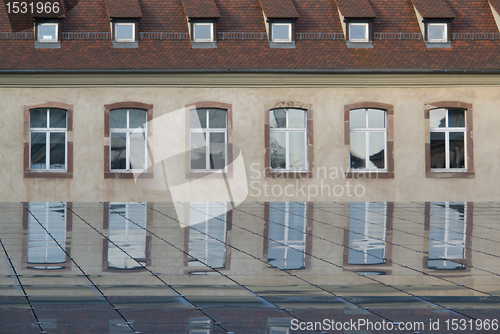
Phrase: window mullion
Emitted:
{"points": [[447, 148], [367, 150], [207, 145], [47, 150], [127, 150], [287, 150]]}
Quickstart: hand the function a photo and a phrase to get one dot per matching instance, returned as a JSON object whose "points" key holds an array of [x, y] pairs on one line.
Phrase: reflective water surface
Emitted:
{"points": [[259, 268]]}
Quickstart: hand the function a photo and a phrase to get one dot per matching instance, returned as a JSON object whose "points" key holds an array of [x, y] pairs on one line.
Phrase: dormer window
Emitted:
{"points": [[124, 32], [280, 20], [203, 32], [359, 32], [48, 32], [434, 19], [281, 32], [437, 32], [356, 18], [124, 16]]}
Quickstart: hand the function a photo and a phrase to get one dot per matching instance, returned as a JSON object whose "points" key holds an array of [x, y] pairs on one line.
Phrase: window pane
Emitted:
{"points": [[457, 150], [217, 151], [38, 150], [137, 118], [358, 150], [277, 118], [138, 150], [357, 118], [47, 32], [376, 141], [281, 32], [217, 118], [124, 31], [57, 151], [358, 31], [297, 150], [118, 118], [118, 151], [38, 118], [456, 118], [296, 118], [438, 118], [376, 118], [437, 32], [198, 118], [57, 118], [202, 32], [278, 150], [198, 151], [438, 156]]}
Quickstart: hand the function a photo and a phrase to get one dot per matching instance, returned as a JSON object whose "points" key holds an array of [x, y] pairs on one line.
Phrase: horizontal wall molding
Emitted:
{"points": [[243, 79]]}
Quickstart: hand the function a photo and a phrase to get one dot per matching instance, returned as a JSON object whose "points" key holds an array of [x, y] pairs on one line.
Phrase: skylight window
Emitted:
{"points": [[281, 32], [47, 32], [358, 32], [437, 32], [124, 32], [203, 32]]}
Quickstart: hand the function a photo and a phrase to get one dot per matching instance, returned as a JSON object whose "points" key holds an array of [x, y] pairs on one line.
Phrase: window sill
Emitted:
{"points": [[447, 175], [127, 175], [431, 45], [369, 175], [118, 45], [204, 45], [216, 174], [289, 174], [47, 45], [282, 45], [48, 175], [359, 45]]}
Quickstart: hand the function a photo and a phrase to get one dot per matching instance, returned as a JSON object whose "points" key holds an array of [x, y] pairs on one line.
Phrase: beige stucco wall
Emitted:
{"points": [[249, 105]]}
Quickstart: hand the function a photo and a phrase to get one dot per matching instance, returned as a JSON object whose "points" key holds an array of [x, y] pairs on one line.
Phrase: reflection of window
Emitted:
{"points": [[368, 139], [359, 32], [126, 229], [288, 139], [48, 127], [43, 252], [287, 235], [278, 325], [199, 325], [207, 234], [281, 32], [127, 129], [208, 138], [448, 139], [447, 236]]}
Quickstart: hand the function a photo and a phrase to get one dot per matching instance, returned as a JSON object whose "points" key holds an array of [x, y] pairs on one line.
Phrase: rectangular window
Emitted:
{"points": [[208, 139], [203, 32], [448, 139], [287, 235], [437, 32], [47, 32], [288, 139], [359, 32], [124, 32], [128, 145], [48, 146], [281, 32], [368, 140]]}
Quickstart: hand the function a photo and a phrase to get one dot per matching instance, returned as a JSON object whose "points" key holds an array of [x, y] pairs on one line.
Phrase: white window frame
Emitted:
{"points": [[447, 131], [128, 131], [203, 40], [445, 40], [367, 32], [124, 40], [39, 39], [367, 130], [208, 131], [287, 131], [276, 40], [48, 130]]}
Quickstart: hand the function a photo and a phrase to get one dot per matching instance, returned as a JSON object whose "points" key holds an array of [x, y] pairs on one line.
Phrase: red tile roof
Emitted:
{"points": [[433, 9], [123, 8], [495, 4], [51, 9], [277, 9], [355, 8], [200, 8], [315, 16]]}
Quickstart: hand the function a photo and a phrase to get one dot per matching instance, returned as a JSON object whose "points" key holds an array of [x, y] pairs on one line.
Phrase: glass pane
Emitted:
{"points": [[118, 118], [217, 150], [198, 151], [57, 151], [376, 118], [277, 118], [276, 255], [38, 150], [47, 32], [297, 150], [358, 31], [376, 142], [438, 118], [138, 150], [137, 118], [456, 118], [57, 118], [296, 118], [437, 32], [278, 150], [202, 32], [438, 156], [294, 259], [457, 150], [198, 118], [38, 118], [217, 118], [281, 32], [118, 156], [358, 150], [357, 118], [124, 31]]}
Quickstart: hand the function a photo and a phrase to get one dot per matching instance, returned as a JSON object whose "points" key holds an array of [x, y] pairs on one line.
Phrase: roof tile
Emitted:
{"points": [[279, 9], [200, 8], [430, 9], [355, 8], [123, 8]]}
